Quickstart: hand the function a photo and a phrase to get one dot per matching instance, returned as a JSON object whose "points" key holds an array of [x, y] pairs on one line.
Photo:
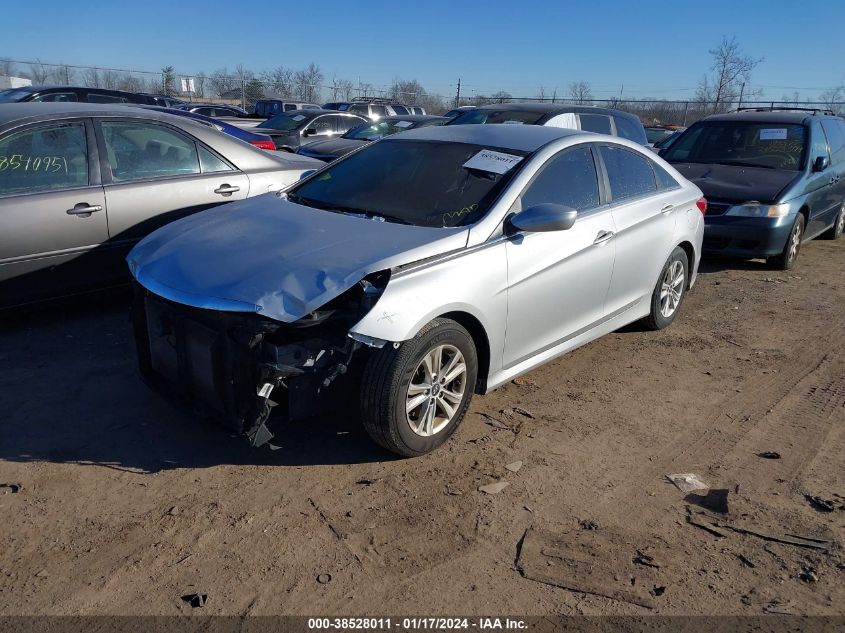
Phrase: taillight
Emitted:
{"points": [[701, 203], [264, 144]]}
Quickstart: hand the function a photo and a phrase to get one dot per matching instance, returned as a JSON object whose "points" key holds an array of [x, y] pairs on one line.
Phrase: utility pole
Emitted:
{"points": [[741, 92], [243, 90], [554, 95], [458, 96]]}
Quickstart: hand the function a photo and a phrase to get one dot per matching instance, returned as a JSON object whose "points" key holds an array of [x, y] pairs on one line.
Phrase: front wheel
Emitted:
{"points": [[786, 260], [669, 292], [414, 397]]}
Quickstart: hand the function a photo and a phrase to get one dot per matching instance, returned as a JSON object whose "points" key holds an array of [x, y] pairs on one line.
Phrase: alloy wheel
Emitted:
{"points": [[794, 243], [436, 390], [672, 288]]}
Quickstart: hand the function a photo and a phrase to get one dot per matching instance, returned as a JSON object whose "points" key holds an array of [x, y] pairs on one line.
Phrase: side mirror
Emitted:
{"points": [[544, 217], [821, 163], [310, 132]]}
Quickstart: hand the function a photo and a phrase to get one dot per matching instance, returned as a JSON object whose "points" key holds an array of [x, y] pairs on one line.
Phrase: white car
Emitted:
{"points": [[442, 262]]}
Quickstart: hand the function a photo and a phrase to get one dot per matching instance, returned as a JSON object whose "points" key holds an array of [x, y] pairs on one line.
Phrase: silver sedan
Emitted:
{"points": [[80, 184], [441, 262]]}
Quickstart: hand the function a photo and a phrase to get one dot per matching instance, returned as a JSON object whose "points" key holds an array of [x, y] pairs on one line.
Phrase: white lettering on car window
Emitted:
{"points": [[773, 134]]}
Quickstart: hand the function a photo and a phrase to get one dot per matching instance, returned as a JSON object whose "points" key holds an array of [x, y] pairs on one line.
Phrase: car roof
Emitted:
{"points": [[775, 116], [525, 138], [413, 118], [552, 108], [10, 112]]}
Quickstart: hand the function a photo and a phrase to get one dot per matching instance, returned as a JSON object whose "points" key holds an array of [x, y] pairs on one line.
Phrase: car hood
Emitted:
{"points": [[332, 147], [274, 257], [737, 183]]}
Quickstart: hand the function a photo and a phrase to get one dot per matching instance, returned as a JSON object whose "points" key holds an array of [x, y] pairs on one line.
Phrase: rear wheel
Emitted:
{"points": [[786, 260], [669, 292], [414, 397], [835, 232]]}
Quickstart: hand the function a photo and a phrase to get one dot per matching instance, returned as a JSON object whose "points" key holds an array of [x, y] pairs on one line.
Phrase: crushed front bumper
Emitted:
{"points": [[746, 237], [236, 367]]}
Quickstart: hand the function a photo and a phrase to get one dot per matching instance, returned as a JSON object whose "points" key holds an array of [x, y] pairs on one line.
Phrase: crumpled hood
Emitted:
{"points": [[737, 183], [268, 255]]}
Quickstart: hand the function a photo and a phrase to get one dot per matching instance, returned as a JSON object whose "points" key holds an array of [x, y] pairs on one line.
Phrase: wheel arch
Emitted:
{"points": [[482, 343], [689, 249]]}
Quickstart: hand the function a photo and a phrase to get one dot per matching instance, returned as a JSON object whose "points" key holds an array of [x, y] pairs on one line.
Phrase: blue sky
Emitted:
{"points": [[656, 48]]}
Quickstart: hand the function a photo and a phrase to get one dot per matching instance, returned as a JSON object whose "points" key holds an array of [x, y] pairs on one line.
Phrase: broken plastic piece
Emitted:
{"points": [[687, 482], [196, 599], [494, 488], [261, 436]]}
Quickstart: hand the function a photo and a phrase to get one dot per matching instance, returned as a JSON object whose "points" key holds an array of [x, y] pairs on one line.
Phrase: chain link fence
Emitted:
{"points": [[245, 87]]}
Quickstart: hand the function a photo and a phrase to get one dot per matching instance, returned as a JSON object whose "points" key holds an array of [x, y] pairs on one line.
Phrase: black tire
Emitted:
{"points": [[657, 320], [835, 232], [386, 381], [786, 260]]}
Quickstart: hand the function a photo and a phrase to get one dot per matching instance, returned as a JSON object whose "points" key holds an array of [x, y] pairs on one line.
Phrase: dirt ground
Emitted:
{"points": [[127, 504]]}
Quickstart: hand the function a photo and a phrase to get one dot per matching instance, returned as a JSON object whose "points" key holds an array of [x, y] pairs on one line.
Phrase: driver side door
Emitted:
{"points": [[558, 280]]}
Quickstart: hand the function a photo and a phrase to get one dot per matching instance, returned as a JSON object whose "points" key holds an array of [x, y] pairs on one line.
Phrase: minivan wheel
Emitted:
{"points": [[669, 292], [786, 260], [414, 396], [835, 232]]}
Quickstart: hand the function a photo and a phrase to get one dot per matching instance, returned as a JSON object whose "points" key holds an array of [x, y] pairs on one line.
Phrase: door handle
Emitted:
{"points": [[226, 189], [603, 237], [84, 210], [668, 208]]}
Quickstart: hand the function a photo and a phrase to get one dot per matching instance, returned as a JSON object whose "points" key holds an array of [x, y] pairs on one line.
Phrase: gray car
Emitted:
{"points": [[80, 184], [439, 262]]}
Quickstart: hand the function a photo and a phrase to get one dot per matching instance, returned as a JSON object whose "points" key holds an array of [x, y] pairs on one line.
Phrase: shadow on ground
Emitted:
{"points": [[70, 393]]}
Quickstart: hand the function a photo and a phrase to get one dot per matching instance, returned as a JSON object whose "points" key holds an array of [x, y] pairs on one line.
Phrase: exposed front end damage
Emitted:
{"points": [[237, 367]]}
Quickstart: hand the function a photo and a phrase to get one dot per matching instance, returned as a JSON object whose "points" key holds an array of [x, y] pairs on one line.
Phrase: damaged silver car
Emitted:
{"points": [[422, 268]]}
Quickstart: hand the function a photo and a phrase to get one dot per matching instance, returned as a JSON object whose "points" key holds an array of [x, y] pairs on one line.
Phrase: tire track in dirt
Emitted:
{"points": [[717, 433]]}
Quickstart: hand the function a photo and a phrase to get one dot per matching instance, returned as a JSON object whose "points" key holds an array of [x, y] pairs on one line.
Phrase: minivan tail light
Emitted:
{"points": [[264, 144], [701, 203]]}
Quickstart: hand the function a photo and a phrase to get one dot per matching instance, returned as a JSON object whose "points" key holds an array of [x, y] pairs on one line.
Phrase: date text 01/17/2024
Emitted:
{"points": [[416, 624]]}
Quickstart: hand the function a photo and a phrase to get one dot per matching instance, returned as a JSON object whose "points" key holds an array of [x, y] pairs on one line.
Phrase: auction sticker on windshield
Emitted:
{"points": [[493, 162], [773, 134], [299, 117]]}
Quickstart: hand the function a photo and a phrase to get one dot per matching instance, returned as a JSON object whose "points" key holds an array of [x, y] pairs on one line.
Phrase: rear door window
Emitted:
{"points": [[665, 180], [140, 151], [568, 179], [631, 130], [101, 98], [46, 158], [346, 123], [290, 106], [53, 97], [630, 174], [598, 123]]}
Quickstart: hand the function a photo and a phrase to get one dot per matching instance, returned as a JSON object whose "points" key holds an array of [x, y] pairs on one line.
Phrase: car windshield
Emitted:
{"points": [[497, 116], [13, 95], [423, 183], [655, 135], [286, 121], [375, 131], [741, 143]]}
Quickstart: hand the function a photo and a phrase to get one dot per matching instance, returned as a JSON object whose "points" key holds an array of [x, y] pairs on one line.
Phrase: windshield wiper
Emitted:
{"points": [[739, 163]]}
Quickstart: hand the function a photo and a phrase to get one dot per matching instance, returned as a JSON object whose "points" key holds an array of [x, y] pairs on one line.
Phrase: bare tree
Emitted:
{"points": [[38, 73], [366, 90], [341, 89], [730, 71], [541, 93], [168, 81], [91, 78], [200, 79], [279, 81], [221, 82], [832, 98], [501, 97], [307, 82], [579, 92], [7, 68]]}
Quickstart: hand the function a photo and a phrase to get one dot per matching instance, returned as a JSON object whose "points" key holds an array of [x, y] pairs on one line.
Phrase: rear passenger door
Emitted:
{"points": [[155, 173], [52, 210], [642, 198]]}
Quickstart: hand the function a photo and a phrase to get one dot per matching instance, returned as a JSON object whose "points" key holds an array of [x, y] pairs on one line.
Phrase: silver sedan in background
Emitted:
{"points": [[80, 184], [440, 261]]}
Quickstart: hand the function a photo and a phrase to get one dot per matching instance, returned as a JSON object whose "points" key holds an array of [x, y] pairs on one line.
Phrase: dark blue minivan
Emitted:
{"points": [[773, 179]]}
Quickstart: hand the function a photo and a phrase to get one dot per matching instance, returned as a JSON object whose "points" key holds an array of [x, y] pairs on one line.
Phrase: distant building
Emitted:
{"points": [[13, 82]]}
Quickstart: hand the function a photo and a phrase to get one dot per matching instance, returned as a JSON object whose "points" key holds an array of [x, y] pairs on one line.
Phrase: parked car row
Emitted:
{"points": [[428, 258]]}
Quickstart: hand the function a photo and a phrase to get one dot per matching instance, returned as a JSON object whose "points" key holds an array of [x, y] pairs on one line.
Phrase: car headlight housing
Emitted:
{"points": [[758, 210]]}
